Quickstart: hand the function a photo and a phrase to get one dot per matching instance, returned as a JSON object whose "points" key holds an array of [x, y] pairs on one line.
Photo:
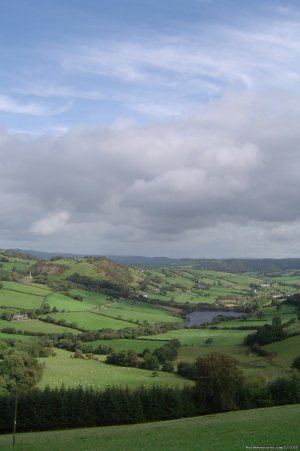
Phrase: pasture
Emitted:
{"points": [[63, 302], [34, 325], [286, 351], [137, 345], [274, 427], [64, 369], [138, 312], [91, 320]]}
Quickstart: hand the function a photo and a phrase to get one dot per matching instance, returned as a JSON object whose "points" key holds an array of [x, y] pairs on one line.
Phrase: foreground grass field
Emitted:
{"points": [[272, 428]]}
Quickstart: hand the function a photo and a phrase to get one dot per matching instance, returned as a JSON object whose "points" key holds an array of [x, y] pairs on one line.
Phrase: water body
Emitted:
{"points": [[198, 318]]}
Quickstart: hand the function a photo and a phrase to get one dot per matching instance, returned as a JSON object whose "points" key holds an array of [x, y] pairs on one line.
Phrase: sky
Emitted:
{"points": [[150, 127]]}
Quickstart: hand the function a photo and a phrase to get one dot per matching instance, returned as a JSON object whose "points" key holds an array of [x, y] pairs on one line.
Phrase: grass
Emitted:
{"points": [[62, 302], [276, 427], [197, 337], [19, 300], [92, 321], [34, 325], [16, 337], [63, 369], [139, 312], [34, 289], [286, 351], [136, 345], [286, 313], [224, 341], [91, 297]]}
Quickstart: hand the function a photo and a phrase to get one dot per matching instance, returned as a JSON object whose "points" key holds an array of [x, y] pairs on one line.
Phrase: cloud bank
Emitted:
{"points": [[222, 181]]}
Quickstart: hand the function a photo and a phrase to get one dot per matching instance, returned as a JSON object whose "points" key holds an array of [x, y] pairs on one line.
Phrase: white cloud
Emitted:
{"points": [[52, 223], [211, 57], [10, 105], [47, 90]]}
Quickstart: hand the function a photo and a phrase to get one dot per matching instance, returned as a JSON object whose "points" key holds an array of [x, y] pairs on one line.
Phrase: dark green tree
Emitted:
{"points": [[217, 381], [296, 363]]}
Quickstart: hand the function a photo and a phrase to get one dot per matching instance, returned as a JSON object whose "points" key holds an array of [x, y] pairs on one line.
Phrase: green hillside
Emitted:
{"points": [[272, 428], [134, 308]]}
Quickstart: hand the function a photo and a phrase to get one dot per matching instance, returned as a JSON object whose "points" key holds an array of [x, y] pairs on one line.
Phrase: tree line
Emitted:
{"points": [[219, 386]]}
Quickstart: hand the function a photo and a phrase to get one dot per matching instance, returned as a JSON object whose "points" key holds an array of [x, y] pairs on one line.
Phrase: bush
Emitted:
{"points": [[296, 363]]}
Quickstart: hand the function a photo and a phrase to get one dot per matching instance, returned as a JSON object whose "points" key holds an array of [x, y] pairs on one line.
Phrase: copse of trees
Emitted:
{"points": [[266, 334], [296, 363], [101, 286], [18, 370], [147, 360], [187, 370]]}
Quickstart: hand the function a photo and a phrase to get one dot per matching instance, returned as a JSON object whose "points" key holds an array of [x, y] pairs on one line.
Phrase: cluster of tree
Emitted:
{"points": [[294, 299], [162, 356], [19, 370], [100, 286], [296, 363], [268, 333], [71, 408]]}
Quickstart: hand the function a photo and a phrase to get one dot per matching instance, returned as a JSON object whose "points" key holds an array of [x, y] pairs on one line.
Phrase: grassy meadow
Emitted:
{"points": [[272, 428], [63, 369]]}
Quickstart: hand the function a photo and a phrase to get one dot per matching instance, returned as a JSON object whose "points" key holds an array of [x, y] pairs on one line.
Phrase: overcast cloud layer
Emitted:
{"points": [[198, 154]]}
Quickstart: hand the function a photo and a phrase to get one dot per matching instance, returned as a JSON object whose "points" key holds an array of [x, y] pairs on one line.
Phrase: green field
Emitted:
{"points": [[63, 369], [19, 300], [197, 337], [138, 312], [62, 302], [224, 341], [34, 289], [92, 321], [286, 351], [16, 337], [176, 284], [90, 297], [34, 325], [137, 345], [271, 428]]}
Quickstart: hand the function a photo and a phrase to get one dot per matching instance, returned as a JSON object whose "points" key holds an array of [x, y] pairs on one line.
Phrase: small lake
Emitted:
{"points": [[198, 318]]}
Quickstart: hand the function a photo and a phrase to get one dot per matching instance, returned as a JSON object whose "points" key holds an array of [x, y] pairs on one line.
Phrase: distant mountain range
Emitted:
{"points": [[234, 265]]}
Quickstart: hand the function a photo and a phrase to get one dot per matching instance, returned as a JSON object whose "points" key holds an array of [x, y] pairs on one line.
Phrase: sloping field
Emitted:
{"points": [[92, 321], [64, 369], [62, 302], [286, 350], [198, 336], [91, 297], [272, 428], [139, 312], [35, 289], [34, 325], [15, 337], [19, 300], [136, 345]]}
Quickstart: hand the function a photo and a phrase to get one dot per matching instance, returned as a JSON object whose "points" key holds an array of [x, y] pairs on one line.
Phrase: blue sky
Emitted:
{"points": [[150, 127], [72, 62]]}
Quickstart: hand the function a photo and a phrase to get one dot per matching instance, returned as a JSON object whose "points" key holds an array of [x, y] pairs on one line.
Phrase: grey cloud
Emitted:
{"points": [[230, 169]]}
